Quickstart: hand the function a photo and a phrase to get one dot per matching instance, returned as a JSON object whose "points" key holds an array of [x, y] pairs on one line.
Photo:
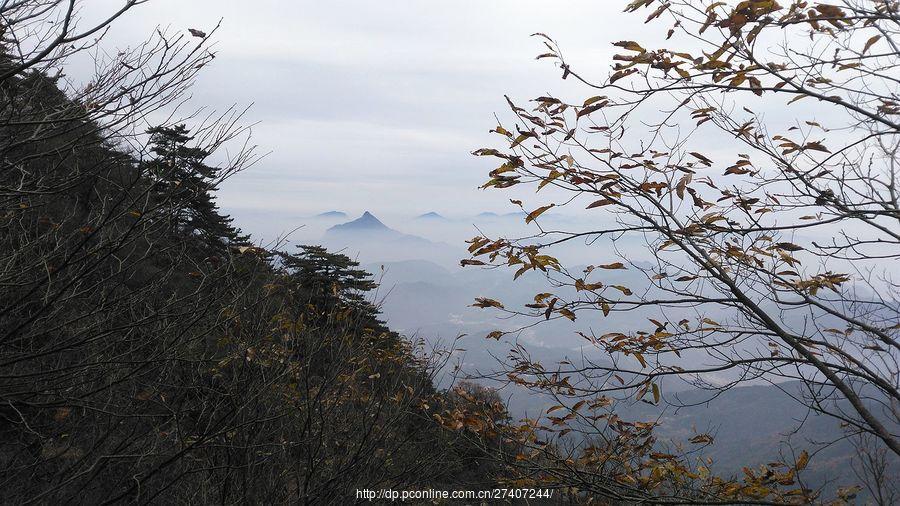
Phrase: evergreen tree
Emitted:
{"points": [[331, 281], [183, 178]]}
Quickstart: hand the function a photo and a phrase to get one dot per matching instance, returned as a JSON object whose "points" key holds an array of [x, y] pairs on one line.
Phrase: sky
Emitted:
{"points": [[377, 106]]}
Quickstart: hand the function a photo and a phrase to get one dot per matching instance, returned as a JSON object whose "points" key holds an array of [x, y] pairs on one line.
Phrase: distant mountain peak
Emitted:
{"points": [[367, 221], [430, 216], [332, 214], [368, 218]]}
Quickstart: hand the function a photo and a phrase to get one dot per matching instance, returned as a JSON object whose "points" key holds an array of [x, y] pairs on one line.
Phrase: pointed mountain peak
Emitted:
{"points": [[367, 221]]}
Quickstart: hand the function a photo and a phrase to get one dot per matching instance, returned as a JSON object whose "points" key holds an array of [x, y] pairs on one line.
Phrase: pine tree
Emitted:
{"points": [[182, 177], [333, 281]]}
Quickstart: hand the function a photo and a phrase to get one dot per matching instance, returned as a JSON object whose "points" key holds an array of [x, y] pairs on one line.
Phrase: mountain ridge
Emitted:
{"points": [[431, 215]]}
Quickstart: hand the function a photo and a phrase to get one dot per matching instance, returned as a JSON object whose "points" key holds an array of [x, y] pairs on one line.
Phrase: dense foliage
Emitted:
{"points": [[741, 163], [148, 351]]}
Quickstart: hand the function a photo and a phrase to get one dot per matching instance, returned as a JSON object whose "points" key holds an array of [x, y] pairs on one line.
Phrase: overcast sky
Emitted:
{"points": [[377, 105]]}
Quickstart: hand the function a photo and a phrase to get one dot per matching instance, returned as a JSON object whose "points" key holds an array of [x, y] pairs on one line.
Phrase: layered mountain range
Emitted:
{"points": [[370, 239]]}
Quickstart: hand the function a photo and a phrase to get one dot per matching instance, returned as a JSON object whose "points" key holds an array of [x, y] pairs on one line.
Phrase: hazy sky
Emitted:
{"points": [[377, 105]]}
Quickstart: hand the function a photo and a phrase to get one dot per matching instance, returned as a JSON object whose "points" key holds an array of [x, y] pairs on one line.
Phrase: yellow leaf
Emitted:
{"points": [[640, 359], [521, 138], [630, 45], [594, 100], [568, 314], [802, 461], [549, 179], [622, 289]]}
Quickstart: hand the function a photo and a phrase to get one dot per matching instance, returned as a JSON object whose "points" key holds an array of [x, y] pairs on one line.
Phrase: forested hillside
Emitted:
{"points": [[150, 353]]}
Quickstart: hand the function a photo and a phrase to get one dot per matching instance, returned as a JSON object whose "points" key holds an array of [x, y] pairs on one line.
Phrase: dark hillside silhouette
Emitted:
{"points": [[149, 352]]}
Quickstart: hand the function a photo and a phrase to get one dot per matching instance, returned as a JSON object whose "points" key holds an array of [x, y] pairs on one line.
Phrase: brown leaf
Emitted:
{"points": [[594, 100], [701, 438], [61, 414], [630, 45], [869, 43], [587, 110], [537, 212], [704, 160], [620, 74], [817, 146], [598, 203], [788, 246], [567, 313], [484, 302], [802, 461], [625, 290]]}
